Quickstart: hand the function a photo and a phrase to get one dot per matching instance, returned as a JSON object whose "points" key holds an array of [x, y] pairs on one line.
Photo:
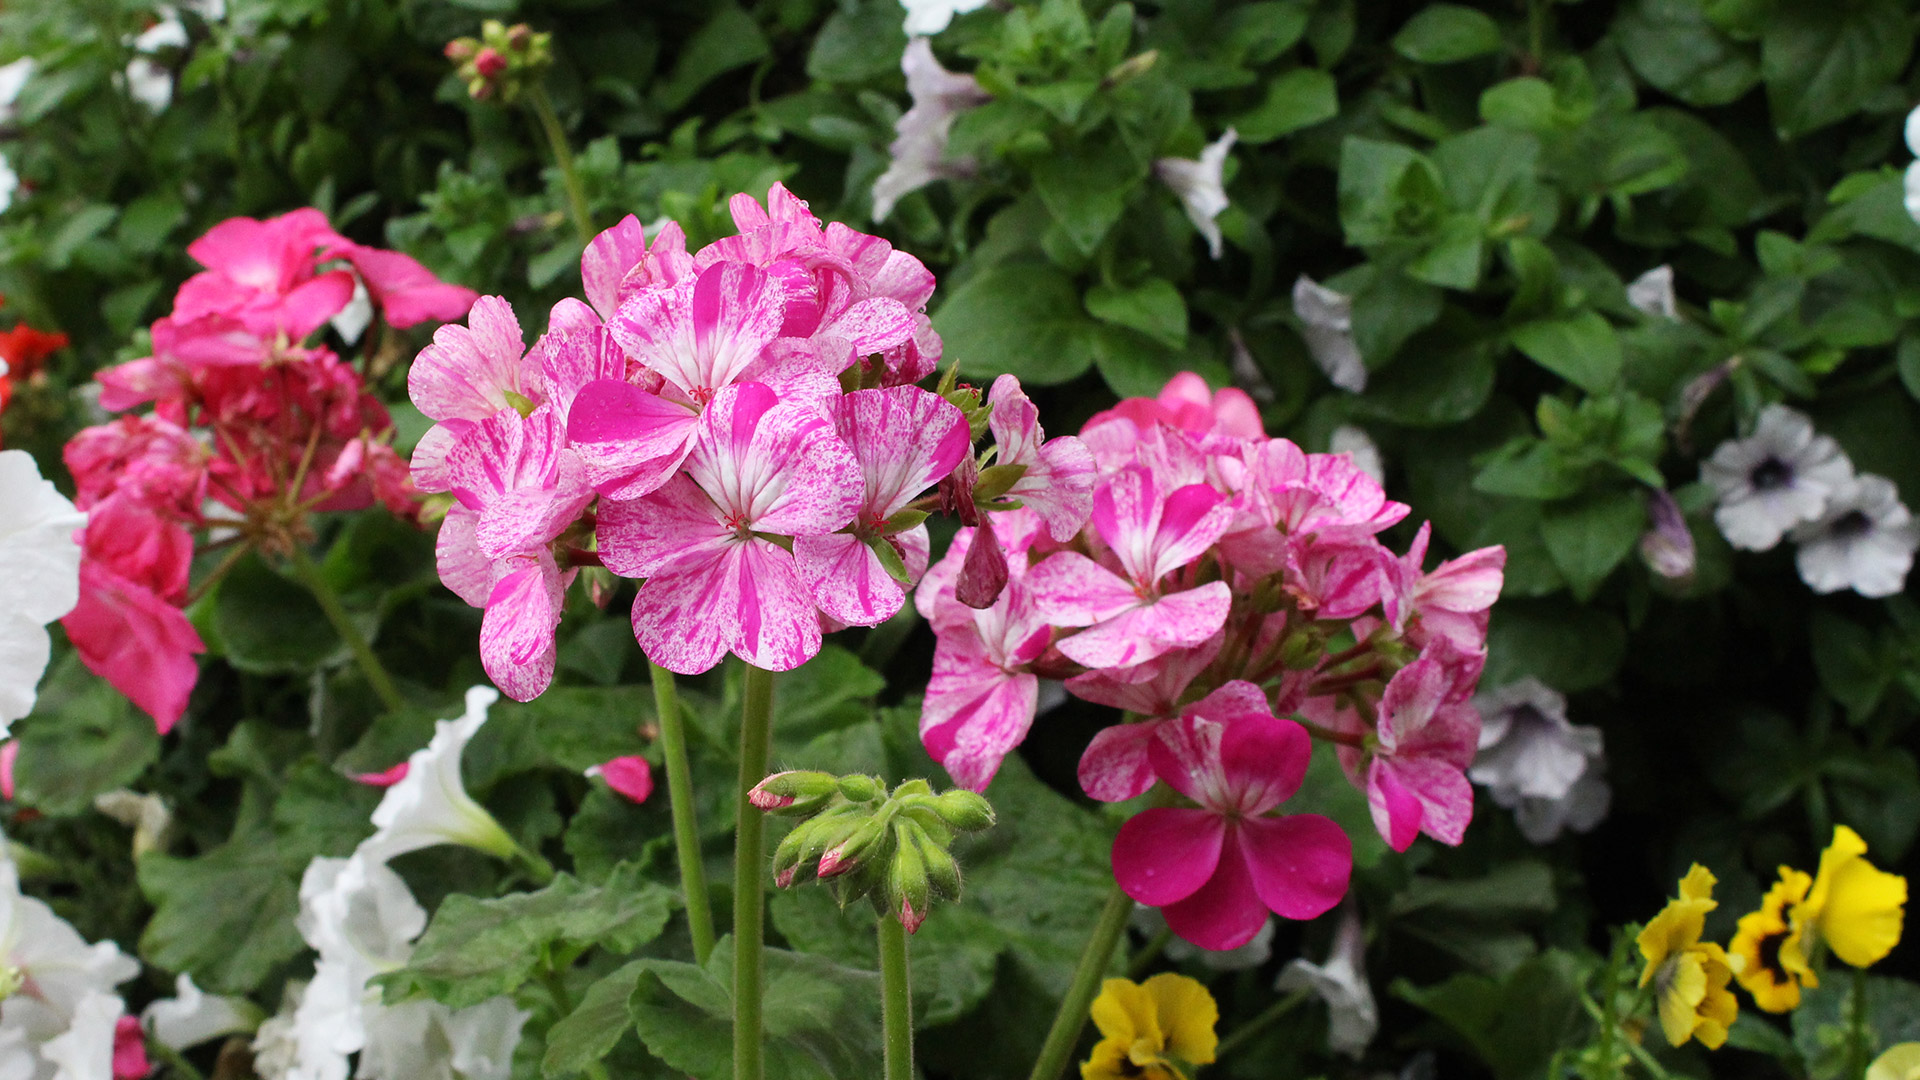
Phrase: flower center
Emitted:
{"points": [[1769, 950], [1851, 524], [1770, 474], [12, 979]]}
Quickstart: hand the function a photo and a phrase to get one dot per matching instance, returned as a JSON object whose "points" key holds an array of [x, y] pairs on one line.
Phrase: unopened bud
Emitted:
{"points": [[461, 50], [963, 810], [489, 63], [848, 853], [519, 35], [807, 840], [1303, 647], [1131, 68], [861, 788], [983, 573], [908, 893], [943, 872], [793, 792]]}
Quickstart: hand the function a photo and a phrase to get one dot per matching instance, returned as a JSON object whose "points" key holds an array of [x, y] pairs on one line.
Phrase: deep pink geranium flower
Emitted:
{"points": [[1131, 616], [905, 440], [1118, 765], [137, 641], [715, 584], [265, 274], [1187, 403], [630, 776], [1216, 870]]}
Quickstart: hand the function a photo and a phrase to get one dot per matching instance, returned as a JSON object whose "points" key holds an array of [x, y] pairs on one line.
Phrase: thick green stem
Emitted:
{"points": [[336, 613], [750, 876], [896, 998], [1860, 1041], [1260, 1023], [563, 157], [1072, 1017], [686, 825]]}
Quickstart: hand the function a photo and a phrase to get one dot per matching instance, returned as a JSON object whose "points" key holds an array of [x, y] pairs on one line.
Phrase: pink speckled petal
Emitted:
{"points": [[464, 570], [1073, 590], [1396, 809], [465, 372], [629, 441], [607, 260], [975, 712], [1117, 765], [846, 579], [905, 439], [641, 536], [1141, 633], [516, 636]]}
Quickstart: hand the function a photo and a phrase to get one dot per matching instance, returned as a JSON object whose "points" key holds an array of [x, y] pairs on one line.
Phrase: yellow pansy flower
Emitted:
{"points": [[1152, 1031], [1900, 1062], [1853, 907], [1772, 950], [1689, 976]]}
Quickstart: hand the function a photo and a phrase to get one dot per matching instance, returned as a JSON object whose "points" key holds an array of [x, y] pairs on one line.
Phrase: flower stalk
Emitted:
{"points": [[336, 612], [749, 875], [542, 107], [686, 825], [1072, 1017], [896, 998]]}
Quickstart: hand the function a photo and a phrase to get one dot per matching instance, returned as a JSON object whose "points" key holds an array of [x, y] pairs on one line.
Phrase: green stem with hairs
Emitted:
{"points": [[686, 825], [1072, 1017], [563, 157], [896, 998], [336, 612], [750, 876]]}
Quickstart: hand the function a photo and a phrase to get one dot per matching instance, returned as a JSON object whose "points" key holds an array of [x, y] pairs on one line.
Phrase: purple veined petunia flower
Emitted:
{"points": [[905, 440], [1414, 774], [1779, 477], [982, 697], [1117, 764], [1151, 535], [1058, 483], [919, 148], [1864, 540], [715, 584], [1548, 771], [1217, 869]]}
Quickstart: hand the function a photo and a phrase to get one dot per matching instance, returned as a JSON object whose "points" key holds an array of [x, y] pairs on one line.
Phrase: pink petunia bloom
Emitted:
{"points": [[905, 441], [1118, 765], [1187, 403], [629, 776], [1415, 773], [981, 698], [1058, 483], [715, 584], [136, 641], [1135, 615], [1216, 870]]}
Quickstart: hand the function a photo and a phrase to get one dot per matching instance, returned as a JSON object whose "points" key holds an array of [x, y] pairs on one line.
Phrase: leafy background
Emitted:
{"points": [[1481, 178]]}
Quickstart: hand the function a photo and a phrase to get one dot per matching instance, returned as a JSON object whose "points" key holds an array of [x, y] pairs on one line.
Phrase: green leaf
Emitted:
{"points": [[595, 1026], [822, 1021], [1525, 103], [1378, 202], [476, 949], [270, 625], [1431, 389], [226, 918], [1582, 349], [1674, 46], [1447, 34], [858, 43], [1154, 307], [1851, 664], [1822, 64], [1516, 1025], [83, 738], [76, 229], [729, 40], [1020, 318], [1085, 188], [1569, 648], [832, 691], [1301, 98], [318, 812], [1819, 1024], [1588, 538]]}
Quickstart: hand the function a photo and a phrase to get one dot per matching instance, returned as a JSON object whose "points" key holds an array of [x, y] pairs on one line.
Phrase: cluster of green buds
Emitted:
{"points": [[890, 848], [503, 61]]}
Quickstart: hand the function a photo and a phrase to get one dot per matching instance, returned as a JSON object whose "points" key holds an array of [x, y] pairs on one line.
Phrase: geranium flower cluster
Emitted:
{"points": [[1212, 582], [22, 350], [251, 429], [737, 426]]}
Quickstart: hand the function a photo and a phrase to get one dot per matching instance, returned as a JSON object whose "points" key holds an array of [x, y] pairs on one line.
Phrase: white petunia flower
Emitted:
{"points": [[1913, 170], [148, 82], [1537, 764], [193, 1016], [13, 79], [1341, 982], [39, 577], [1326, 324], [483, 1038], [1257, 951], [354, 319], [1353, 441], [57, 986], [1780, 476], [146, 815], [425, 1040], [932, 16], [276, 1045], [85, 1050], [919, 148], [1864, 541], [9, 184], [1200, 186], [1652, 293], [431, 805]]}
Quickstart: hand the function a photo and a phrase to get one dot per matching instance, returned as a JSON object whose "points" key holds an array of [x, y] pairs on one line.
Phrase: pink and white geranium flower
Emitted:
{"points": [[716, 584], [1414, 773], [1216, 869]]}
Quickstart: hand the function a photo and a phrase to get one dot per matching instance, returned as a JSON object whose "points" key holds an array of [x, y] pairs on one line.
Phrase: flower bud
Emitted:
{"points": [[943, 871], [963, 810], [793, 792], [848, 853], [461, 50], [983, 574], [519, 36], [908, 893], [489, 63], [1303, 647], [807, 840], [860, 788]]}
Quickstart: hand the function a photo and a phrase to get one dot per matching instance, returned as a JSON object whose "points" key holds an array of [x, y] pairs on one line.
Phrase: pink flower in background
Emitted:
{"points": [[155, 462], [630, 776], [714, 583], [905, 441], [1217, 869], [129, 1049], [1187, 403], [136, 640], [1415, 775], [407, 293], [9, 753], [265, 275], [384, 779], [1151, 535], [1058, 483]]}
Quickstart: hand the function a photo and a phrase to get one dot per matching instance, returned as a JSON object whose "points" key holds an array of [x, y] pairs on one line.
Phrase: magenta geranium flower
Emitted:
{"points": [[1136, 614], [905, 441], [1118, 765], [715, 582], [1216, 869]]}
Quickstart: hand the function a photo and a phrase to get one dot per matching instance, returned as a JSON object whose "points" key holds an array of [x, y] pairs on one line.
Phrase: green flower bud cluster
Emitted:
{"points": [[890, 849], [503, 61]]}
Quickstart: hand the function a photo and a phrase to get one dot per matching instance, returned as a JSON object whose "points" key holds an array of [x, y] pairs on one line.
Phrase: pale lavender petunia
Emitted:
{"points": [[1200, 186], [919, 148], [1864, 540], [1780, 476], [1548, 771]]}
